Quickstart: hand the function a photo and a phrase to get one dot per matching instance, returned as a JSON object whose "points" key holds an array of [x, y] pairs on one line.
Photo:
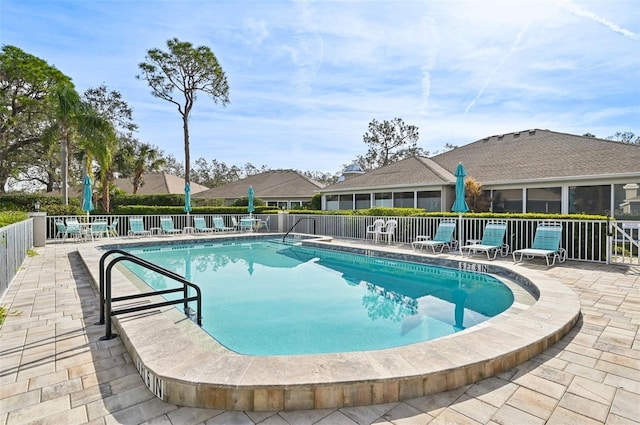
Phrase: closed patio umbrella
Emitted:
{"points": [[250, 203], [460, 205], [187, 201], [87, 194]]}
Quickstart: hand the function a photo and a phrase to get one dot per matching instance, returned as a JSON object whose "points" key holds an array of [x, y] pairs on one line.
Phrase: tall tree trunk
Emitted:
{"points": [[187, 164], [51, 179], [64, 165]]}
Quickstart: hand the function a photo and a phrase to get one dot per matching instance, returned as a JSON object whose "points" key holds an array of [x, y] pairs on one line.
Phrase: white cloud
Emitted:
{"points": [[306, 77]]}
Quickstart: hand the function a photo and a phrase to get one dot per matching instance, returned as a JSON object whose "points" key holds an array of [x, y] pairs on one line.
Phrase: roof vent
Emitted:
{"points": [[532, 132], [516, 135], [500, 136]]}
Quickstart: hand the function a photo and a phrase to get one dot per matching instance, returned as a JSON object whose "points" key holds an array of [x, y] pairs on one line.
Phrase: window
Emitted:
{"points": [[346, 202], [590, 199], [403, 200], [430, 201], [383, 200], [282, 205], [333, 203], [544, 200], [363, 201], [507, 200]]}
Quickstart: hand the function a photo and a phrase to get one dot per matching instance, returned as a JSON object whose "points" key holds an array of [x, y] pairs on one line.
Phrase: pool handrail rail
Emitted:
{"points": [[105, 291]]}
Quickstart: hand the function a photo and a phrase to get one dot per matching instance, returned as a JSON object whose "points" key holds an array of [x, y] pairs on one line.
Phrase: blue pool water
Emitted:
{"points": [[268, 298]]}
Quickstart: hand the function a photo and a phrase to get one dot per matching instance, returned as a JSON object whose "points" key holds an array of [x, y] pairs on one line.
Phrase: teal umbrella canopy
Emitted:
{"points": [[87, 194], [187, 198], [460, 205], [250, 196]]}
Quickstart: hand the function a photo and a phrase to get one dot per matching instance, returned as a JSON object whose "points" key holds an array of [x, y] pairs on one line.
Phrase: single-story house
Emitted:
{"points": [[278, 188], [159, 184], [526, 171]]}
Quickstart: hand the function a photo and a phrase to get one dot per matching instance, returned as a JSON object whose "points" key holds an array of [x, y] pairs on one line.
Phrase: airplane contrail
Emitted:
{"points": [[577, 10], [513, 48]]}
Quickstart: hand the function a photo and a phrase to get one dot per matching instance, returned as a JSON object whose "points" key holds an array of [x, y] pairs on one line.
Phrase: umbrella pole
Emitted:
{"points": [[460, 233]]}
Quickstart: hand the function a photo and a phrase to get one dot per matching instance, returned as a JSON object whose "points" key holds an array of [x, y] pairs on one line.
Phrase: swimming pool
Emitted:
{"points": [[267, 298], [181, 364]]}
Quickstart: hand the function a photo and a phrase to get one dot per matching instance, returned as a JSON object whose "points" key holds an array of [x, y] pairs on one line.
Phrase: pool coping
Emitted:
{"points": [[181, 364]]}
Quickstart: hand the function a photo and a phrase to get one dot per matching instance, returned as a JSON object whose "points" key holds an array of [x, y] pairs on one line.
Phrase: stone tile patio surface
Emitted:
{"points": [[54, 369]]}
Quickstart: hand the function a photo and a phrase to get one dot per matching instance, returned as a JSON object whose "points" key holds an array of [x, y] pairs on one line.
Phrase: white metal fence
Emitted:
{"points": [[15, 242], [584, 240]]}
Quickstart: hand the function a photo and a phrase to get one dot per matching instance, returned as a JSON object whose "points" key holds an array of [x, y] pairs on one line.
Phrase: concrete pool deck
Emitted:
{"points": [[54, 368]]}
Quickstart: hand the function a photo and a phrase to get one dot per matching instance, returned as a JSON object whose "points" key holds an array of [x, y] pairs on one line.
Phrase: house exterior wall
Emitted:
{"points": [[602, 197]]}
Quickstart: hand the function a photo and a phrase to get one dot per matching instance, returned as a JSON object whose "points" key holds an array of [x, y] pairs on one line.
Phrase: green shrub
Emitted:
{"points": [[156, 210], [26, 201], [118, 201], [10, 217]]}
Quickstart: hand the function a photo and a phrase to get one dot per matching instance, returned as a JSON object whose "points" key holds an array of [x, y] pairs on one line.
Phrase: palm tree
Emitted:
{"points": [[73, 119], [147, 159]]}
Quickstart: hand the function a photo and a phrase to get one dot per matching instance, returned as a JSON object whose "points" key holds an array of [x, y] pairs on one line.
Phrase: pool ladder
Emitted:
{"points": [[296, 223], [106, 312]]}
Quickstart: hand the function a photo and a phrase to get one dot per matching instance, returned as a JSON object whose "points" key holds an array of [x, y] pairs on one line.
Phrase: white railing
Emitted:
{"points": [[15, 242], [625, 242], [583, 240], [180, 221]]}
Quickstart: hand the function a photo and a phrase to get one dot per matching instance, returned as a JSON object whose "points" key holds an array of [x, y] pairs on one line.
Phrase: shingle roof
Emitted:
{"points": [[283, 184], [515, 157], [542, 154], [159, 183], [406, 172]]}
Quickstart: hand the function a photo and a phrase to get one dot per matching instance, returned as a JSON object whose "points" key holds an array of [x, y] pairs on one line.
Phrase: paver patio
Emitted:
{"points": [[55, 370]]}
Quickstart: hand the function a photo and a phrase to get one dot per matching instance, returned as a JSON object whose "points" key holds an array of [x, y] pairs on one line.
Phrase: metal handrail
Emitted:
{"points": [[105, 291], [296, 223]]}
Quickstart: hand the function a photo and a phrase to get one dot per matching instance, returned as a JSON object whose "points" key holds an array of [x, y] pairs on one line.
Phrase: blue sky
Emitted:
{"points": [[307, 77]]}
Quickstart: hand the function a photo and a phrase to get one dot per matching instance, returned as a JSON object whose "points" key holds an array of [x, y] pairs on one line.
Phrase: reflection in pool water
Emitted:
{"points": [[266, 298]]}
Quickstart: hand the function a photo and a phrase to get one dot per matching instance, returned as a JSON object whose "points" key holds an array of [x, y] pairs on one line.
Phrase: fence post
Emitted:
{"points": [[39, 228], [283, 221]]}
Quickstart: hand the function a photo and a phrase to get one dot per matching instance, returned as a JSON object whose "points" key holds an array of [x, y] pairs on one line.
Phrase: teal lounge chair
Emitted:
{"points": [[443, 238], [492, 240], [166, 224], [546, 243], [113, 228], [201, 225], [98, 229], [247, 223], [136, 227], [70, 230], [219, 226]]}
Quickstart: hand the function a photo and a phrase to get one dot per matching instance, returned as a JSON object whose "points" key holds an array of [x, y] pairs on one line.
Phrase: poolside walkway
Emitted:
{"points": [[55, 370]]}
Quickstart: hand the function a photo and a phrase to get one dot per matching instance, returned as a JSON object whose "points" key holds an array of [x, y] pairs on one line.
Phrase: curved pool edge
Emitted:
{"points": [[183, 365]]}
